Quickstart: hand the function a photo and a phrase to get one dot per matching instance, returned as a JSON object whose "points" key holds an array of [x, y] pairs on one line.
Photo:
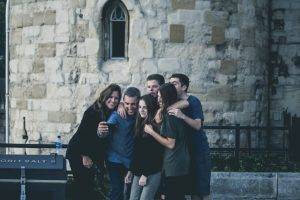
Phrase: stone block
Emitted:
{"points": [[61, 117], [47, 34], [82, 30], [38, 65], [15, 21], [183, 4], [228, 67], [77, 3], [288, 186], [91, 46], [46, 50], [27, 20], [216, 18], [37, 91], [29, 50], [168, 65], [13, 51], [21, 104], [25, 65], [177, 33], [228, 93], [218, 35], [44, 18], [141, 48], [248, 37], [16, 36], [243, 185], [15, 2], [30, 34], [62, 16]]}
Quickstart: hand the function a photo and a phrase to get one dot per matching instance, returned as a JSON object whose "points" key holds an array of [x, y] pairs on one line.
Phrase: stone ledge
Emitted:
{"points": [[249, 185]]}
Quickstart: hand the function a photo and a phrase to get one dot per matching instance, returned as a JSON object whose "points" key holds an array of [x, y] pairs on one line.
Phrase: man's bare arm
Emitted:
{"points": [[194, 123]]}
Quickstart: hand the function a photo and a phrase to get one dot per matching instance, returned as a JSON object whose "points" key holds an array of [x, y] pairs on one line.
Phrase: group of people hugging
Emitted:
{"points": [[155, 143]]}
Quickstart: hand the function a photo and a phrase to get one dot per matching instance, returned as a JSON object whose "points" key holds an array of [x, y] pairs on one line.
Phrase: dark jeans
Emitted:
{"points": [[118, 189], [175, 187], [84, 183]]}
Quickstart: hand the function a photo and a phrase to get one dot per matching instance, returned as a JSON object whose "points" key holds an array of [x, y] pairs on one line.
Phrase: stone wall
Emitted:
{"points": [[57, 70], [234, 185], [285, 58]]}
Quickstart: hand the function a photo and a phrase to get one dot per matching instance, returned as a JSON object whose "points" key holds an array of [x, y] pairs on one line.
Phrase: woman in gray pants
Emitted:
{"points": [[147, 154]]}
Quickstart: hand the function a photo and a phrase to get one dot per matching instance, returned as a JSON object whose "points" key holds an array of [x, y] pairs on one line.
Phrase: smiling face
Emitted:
{"points": [[152, 87], [130, 104], [113, 100], [143, 109]]}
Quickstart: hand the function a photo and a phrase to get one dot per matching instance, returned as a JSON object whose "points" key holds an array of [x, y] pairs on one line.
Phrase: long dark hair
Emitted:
{"points": [[152, 107], [168, 95], [99, 104]]}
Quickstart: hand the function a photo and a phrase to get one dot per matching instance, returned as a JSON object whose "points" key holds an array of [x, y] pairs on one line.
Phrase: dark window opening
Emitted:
{"points": [[118, 39], [115, 30]]}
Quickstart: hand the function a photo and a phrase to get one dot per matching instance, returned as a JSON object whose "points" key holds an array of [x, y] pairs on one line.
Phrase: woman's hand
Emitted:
{"points": [[121, 110], [128, 177], [87, 161], [102, 130], [148, 129], [143, 180], [176, 112]]}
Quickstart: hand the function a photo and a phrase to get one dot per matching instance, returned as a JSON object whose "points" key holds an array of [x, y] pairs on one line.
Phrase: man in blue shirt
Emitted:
{"points": [[199, 149], [120, 148]]}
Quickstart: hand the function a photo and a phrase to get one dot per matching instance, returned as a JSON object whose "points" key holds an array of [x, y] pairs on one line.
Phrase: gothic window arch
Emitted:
{"points": [[115, 21]]}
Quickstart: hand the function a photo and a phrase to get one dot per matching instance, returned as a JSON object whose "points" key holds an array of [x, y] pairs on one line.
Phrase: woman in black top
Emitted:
{"points": [[86, 151], [147, 154]]}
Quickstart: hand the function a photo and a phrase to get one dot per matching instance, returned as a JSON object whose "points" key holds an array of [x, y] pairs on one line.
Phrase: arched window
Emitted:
{"points": [[115, 20]]}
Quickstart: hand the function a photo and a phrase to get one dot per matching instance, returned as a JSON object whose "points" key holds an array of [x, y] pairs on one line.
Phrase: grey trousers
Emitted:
{"points": [[148, 191]]}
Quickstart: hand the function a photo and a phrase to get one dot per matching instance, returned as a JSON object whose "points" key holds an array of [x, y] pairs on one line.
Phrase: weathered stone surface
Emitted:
{"points": [[214, 18], [47, 34], [16, 37], [248, 37], [37, 91], [38, 65], [220, 45], [243, 185], [227, 93], [15, 21], [228, 67], [27, 20], [21, 104], [44, 18], [168, 64], [61, 117], [183, 4], [289, 187], [77, 3], [177, 33], [218, 35], [46, 50]]}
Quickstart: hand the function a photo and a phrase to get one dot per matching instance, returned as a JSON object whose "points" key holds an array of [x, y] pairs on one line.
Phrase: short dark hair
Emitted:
{"points": [[157, 77], [132, 92], [183, 79]]}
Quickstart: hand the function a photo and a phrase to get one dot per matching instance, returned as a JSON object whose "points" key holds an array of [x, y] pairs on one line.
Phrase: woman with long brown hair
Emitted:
{"points": [[85, 148], [147, 153]]}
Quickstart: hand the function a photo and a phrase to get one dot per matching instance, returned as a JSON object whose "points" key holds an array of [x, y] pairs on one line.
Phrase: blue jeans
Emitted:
{"points": [[117, 172]]}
